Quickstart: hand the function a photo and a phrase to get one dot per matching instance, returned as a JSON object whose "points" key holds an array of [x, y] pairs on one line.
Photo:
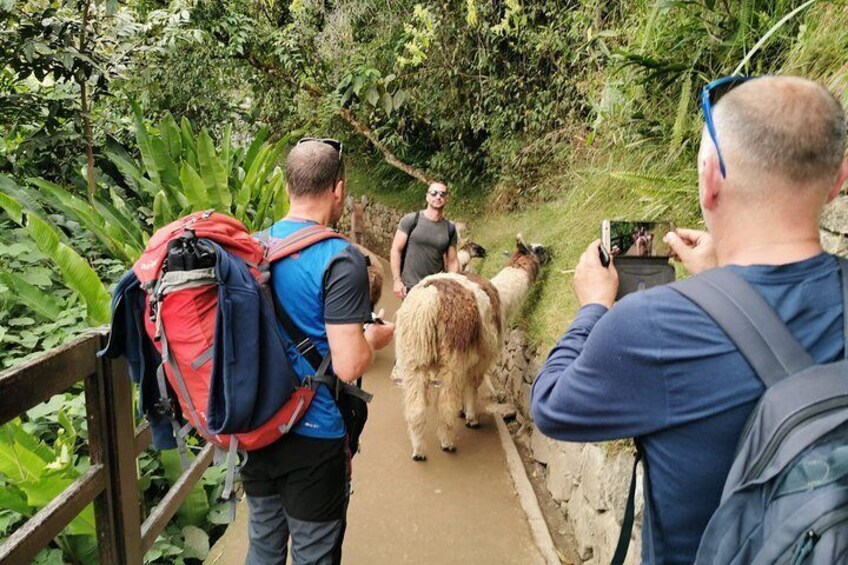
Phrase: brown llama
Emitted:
{"points": [[449, 329]]}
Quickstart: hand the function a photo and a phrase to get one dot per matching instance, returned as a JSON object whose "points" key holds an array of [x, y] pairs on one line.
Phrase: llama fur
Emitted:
{"points": [[449, 329]]}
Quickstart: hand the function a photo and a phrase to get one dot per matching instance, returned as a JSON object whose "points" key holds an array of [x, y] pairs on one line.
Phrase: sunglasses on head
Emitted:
{"points": [[439, 193], [710, 95], [334, 143]]}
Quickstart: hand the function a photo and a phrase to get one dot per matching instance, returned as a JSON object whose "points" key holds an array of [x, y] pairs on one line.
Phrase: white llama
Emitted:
{"points": [[449, 329]]}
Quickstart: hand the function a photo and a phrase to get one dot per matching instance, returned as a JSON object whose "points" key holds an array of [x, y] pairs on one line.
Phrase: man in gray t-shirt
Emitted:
{"points": [[424, 244]]}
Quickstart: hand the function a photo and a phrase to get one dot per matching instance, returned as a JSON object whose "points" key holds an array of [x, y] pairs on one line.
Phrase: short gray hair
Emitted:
{"points": [[782, 125], [312, 169]]}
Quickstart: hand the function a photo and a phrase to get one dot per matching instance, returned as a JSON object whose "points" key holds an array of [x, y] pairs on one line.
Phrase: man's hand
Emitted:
{"points": [[693, 248], [379, 336], [594, 283], [399, 288]]}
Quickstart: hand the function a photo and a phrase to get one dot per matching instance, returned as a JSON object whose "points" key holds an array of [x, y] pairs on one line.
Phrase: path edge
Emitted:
{"points": [[526, 495]]}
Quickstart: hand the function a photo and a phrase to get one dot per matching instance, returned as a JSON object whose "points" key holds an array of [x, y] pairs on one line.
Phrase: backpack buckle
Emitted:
{"points": [[165, 407], [305, 346]]}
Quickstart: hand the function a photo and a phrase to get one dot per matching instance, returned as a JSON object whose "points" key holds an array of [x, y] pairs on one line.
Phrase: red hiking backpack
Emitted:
{"points": [[182, 272]]}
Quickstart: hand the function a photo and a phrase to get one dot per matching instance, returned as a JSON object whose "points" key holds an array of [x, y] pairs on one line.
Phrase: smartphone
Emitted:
{"points": [[626, 238]]}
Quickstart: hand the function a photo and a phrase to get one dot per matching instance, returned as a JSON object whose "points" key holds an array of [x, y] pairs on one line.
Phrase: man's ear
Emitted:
{"points": [[840, 181], [338, 189], [713, 181], [288, 193]]}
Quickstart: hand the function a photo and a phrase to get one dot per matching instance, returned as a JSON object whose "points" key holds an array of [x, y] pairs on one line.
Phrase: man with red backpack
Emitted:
{"points": [[298, 486]]}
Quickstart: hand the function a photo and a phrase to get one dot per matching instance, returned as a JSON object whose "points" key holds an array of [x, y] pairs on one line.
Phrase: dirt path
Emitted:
{"points": [[458, 508]]}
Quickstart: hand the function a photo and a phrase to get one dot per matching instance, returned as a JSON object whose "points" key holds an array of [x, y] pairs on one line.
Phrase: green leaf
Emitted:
{"points": [[226, 148], [172, 137], [386, 99], [399, 98], [196, 543], [213, 174], [76, 272], [11, 207], [193, 188], [253, 150], [142, 138], [45, 304], [372, 95], [17, 462], [12, 499], [193, 511]]}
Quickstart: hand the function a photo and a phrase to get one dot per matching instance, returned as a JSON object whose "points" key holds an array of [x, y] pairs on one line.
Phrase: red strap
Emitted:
{"points": [[300, 240]]}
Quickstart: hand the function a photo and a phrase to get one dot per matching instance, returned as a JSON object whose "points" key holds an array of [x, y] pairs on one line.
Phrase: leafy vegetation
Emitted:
{"points": [[118, 116]]}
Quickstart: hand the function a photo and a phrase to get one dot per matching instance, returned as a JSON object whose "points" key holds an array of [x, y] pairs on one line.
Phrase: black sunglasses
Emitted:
{"points": [[334, 143]]}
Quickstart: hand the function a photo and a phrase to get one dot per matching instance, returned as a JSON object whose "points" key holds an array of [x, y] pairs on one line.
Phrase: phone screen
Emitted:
{"points": [[635, 239]]}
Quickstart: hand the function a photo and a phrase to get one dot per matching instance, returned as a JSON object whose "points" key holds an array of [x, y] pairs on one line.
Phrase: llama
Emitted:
{"points": [[449, 329], [376, 274], [466, 250]]}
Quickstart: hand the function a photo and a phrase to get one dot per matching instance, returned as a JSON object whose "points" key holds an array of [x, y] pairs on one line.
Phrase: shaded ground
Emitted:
{"points": [[458, 508]]}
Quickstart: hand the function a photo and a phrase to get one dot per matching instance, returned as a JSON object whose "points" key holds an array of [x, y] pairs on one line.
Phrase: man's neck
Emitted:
{"points": [[764, 243], [313, 211], [433, 214]]}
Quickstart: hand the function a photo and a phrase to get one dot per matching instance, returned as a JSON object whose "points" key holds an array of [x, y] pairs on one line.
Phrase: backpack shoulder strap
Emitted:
{"points": [[278, 248], [843, 264], [451, 233], [408, 237], [750, 323]]}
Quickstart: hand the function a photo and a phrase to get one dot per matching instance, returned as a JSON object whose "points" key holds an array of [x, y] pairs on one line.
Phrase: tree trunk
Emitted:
{"points": [[86, 117]]}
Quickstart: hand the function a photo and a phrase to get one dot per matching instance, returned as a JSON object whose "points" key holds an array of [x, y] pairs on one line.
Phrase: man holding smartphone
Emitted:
{"points": [[659, 369]]}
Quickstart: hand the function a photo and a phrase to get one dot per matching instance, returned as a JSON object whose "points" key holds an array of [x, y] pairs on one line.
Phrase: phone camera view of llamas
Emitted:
{"points": [[638, 239]]}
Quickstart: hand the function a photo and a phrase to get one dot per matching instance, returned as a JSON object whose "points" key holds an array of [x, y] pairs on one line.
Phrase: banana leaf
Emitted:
{"points": [[213, 174], [193, 188], [33, 297], [196, 506], [170, 132], [76, 272]]}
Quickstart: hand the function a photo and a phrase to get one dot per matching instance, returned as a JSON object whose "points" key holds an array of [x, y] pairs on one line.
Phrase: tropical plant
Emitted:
{"points": [[179, 172]]}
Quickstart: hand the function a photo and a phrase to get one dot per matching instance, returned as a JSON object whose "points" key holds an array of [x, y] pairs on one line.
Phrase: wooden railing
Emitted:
{"points": [[114, 443]]}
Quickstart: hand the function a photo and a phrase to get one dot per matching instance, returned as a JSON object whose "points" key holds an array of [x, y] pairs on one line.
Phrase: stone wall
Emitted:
{"points": [[370, 223], [589, 482], [834, 226]]}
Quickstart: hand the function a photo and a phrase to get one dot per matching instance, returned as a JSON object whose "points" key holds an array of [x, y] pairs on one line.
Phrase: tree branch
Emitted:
{"points": [[348, 116]]}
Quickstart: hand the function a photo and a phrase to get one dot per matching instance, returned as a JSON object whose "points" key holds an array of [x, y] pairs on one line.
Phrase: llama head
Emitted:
{"points": [[529, 257], [474, 250]]}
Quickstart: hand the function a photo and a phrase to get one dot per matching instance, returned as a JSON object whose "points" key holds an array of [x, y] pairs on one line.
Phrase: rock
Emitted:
{"points": [[524, 401], [594, 472], [507, 411], [834, 243], [835, 217], [541, 447], [559, 481]]}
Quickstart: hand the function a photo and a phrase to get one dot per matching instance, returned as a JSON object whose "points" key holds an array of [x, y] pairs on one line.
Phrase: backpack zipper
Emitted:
{"points": [[804, 547], [786, 427]]}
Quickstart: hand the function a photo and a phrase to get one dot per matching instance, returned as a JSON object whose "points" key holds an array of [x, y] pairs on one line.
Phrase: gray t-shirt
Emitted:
{"points": [[425, 247]]}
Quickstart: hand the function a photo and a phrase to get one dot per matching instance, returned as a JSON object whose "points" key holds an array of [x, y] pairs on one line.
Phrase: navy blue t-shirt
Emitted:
{"points": [[326, 283], [657, 368]]}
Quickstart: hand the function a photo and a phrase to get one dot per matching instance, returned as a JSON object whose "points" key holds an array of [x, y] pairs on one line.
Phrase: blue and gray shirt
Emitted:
{"points": [[326, 283]]}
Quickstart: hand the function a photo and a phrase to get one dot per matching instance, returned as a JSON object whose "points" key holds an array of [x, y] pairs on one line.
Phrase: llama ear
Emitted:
{"points": [[521, 245]]}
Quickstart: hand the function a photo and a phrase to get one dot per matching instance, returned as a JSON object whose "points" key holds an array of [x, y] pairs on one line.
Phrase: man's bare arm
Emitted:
{"points": [[452, 260], [398, 244], [352, 349]]}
